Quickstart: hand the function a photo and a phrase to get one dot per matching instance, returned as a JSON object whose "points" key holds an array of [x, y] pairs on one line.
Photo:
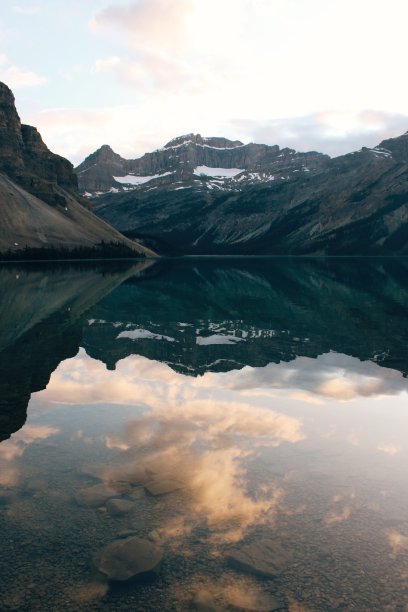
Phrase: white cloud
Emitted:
{"points": [[297, 73], [332, 132], [389, 449], [133, 129], [16, 77], [331, 376]]}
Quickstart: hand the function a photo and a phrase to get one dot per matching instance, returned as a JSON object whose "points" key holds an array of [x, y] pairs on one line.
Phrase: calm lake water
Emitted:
{"points": [[231, 434]]}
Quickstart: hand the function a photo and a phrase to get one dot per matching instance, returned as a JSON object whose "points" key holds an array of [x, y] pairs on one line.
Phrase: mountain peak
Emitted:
{"points": [[197, 139], [105, 151], [104, 155], [397, 146]]}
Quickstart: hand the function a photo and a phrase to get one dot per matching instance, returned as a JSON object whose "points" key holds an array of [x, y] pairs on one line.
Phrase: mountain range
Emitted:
{"points": [[217, 196], [41, 211]]}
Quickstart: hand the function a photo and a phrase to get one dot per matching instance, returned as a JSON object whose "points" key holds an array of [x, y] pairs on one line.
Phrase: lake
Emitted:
{"points": [[204, 434]]}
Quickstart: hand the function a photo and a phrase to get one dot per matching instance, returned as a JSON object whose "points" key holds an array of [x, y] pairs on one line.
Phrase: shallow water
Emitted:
{"points": [[237, 406]]}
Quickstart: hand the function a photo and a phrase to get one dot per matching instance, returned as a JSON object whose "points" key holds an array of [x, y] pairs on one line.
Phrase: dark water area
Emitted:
{"points": [[204, 434]]}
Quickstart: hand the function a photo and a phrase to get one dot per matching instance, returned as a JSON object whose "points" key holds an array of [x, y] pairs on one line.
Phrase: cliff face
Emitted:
{"points": [[40, 207], [11, 139], [178, 160], [26, 159]]}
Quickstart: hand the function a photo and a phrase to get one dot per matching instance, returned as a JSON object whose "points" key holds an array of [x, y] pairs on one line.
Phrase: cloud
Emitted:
{"points": [[13, 449], [389, 449], [133, 129], [148, 24], [331, 376], [397, 541], [224, 592], [156, 37], [188, 433], [17, 78], [331, 132], [338, 517]]}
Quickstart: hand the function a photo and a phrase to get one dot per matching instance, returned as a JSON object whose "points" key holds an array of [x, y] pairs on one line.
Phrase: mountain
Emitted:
{"points": [[41, 211], [216, 196], [186, 158]]}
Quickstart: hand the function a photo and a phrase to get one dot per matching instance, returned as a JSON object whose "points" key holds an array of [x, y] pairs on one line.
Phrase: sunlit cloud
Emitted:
{"points": [[389, 449], [331, 375], [338, 517], [192, 437], [224, 592], [254, 70], [397, 541], [11, 450], [16, 77], [332, 132]]}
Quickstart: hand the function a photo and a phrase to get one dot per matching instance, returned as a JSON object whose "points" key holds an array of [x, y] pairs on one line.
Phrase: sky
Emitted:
{"points": [[325, 75]]}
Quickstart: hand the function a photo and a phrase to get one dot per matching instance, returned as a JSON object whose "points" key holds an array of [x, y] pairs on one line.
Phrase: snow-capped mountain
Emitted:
{"points": [[215, 163], [215, 196]]}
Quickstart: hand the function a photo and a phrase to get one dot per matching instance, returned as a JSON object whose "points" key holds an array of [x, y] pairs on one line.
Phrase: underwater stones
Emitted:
{"points": [[264, 558], [116, 507], [92, 497], [162, 486], [127, 558]]}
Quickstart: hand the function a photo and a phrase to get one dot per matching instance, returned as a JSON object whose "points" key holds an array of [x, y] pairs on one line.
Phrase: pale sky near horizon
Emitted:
{"points": [[308, 74]]}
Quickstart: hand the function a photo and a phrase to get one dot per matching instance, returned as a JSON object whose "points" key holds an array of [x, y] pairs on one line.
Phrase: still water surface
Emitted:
{"points": [[242, 424]]}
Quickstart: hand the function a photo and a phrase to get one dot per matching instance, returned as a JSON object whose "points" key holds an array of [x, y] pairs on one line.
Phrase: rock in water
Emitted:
{"points": [[97, 495], [163, 486], [125, 559], [265, 558]]}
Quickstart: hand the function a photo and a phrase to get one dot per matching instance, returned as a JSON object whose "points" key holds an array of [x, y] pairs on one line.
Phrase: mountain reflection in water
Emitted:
{"points": [[228, 408]]}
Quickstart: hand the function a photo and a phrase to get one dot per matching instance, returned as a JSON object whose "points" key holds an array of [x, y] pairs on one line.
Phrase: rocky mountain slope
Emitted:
{"points": [[214, 196], [182, 160], [41, 211]]}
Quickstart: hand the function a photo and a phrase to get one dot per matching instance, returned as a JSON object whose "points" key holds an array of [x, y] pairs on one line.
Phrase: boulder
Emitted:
{"points": [[95, 496], [128, 558], [162, 486], [264, 558]]}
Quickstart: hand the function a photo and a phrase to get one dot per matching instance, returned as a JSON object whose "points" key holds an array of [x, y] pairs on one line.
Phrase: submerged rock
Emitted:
{"points": [[162, 486], [265, 558], [125, 559], [95, 496]]}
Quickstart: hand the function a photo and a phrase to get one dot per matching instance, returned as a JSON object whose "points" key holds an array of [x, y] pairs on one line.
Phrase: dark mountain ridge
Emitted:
{"points": [[199, 198]]}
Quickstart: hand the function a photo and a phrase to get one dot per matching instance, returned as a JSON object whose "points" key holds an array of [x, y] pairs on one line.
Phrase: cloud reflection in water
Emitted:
{"points": [[200, 434]]}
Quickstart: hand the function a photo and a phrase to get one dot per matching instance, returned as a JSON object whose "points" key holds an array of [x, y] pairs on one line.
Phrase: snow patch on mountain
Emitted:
{"points": [[132, 179], [224, 172]]}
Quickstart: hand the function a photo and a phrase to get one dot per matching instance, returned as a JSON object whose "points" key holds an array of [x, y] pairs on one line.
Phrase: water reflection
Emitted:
{"points": [[245, 426], [40, 325]]}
